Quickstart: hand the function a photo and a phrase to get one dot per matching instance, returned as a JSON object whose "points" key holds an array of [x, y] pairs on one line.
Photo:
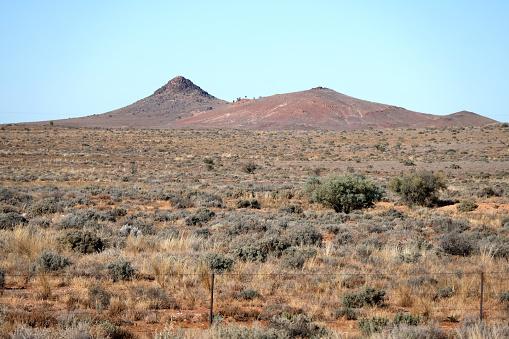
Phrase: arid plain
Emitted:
{"points": [[69, 260]]}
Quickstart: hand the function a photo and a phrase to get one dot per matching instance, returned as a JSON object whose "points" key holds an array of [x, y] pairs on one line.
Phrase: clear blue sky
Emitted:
{"points": [[63, 59]]}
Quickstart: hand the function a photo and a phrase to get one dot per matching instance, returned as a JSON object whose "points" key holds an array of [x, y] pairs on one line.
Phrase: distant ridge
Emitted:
{"points": [[177, 99], [182, 104]]}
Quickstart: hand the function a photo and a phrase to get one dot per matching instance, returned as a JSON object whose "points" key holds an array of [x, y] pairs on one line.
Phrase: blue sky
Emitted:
{"points": [[62, 59]]}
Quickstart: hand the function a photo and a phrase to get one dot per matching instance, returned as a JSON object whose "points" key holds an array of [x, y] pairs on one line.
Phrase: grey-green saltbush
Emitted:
{"points": [[217, 263], [120, 270], [50, 262]]}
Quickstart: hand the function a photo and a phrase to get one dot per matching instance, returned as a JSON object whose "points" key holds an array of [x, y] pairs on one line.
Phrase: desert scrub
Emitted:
{"points": [[299, 326], [455, 243], [10, 220], [418, 188], [345, 193], [82, 242], [248, 295], [199, 217], [370, 326], [345, 313], [467, 205], [305, 235], [120, 270], [295, 258], [78, 219], [368, 297], [217, 263], [50, 262], [247, 203]]}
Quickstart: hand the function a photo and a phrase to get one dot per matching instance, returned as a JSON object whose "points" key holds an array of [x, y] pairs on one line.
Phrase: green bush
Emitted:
{"points": [[368, 297], [374, 325], [406, 319], [347, 192], [120, 270], [445, 292], [503, 297], [418, 188], [305, 235], [249, 253], [9, 220], [466, 206], [345, 312], [50, 262], [248, 295], [299, 326], [82, 242], [455, 243], [199, 217], [248, 203], [217, 263], [295, 258]]}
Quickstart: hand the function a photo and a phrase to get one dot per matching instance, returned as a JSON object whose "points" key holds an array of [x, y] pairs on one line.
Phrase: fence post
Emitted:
{"points": [[212, 300], [482, 292]]}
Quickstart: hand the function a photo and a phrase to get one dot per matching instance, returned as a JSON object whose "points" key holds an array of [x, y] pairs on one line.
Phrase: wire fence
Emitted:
{"points": [[442, 295]]}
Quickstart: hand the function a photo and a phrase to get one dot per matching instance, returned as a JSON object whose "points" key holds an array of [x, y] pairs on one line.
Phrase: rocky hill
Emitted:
{"points": [[182, 104]]}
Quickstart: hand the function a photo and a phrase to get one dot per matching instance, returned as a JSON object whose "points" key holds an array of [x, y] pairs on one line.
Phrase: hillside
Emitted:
{"points": [[177, 99], [318, 108], [182, 104]]}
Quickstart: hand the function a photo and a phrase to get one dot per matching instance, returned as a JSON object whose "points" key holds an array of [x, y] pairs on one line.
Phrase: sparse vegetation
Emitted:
{"points": [[96, 239]]}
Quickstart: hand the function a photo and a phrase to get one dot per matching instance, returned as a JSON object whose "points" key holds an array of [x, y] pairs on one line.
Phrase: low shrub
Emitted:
{"points": [[407, 319], [419, 281], [249, 253], [345, 312], [78, 219], [274, 245], [291, 209], [503, 297], [247, 203], [120, 270], [299, 326], [455, 243], [50, 262], [466, 206], [10, 220], [370, 326], [443, 293], [82, 242], [217, 263], [368, 297], [154, 297], [305, 235], [248, 295], [199, 217], [295, 258]]}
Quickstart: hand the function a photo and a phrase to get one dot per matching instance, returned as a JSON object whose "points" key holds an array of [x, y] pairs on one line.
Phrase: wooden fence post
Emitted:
{"points": [[212, 300], [482, 292]]}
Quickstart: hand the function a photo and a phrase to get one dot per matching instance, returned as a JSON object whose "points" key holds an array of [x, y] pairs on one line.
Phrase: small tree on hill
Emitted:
{"points": [[418, 188]]}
